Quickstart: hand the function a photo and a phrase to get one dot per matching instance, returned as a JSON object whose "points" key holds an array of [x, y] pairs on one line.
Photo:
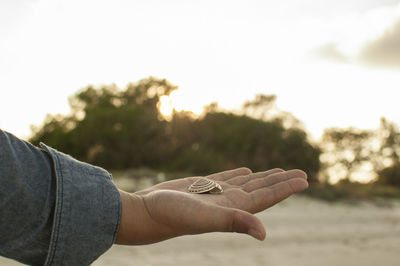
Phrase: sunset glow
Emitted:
{"points": [[165, 106], [330, 63]]}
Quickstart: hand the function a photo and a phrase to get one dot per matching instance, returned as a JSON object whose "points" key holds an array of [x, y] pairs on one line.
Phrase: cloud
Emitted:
{"points": [[330, 51], [384, 51]]}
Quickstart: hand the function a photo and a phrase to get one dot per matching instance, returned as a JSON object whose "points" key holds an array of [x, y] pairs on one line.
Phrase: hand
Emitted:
{"points": [[167, 210]]}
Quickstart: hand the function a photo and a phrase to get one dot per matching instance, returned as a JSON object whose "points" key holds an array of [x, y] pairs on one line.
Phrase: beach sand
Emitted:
{"points": [[300, 231]]}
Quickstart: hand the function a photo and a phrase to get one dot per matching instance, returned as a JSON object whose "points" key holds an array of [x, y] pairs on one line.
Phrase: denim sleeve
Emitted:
{"points": [[54, 210]]}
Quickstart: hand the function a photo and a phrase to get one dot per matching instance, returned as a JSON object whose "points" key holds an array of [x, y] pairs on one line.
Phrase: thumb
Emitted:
{"points": [[225, 219], [244, 222]]}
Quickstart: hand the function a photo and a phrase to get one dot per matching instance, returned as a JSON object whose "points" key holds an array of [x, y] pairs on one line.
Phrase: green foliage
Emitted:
{"points": [[347, 152], [390, 175], [120, 129], [223, 140], [353, 191]]}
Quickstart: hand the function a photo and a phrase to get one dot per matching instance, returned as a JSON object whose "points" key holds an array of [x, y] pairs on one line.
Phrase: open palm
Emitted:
{"points": [[171, 211]]}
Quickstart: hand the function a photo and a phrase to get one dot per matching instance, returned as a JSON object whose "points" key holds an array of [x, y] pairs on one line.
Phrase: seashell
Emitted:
{"points": [[204, 185]]}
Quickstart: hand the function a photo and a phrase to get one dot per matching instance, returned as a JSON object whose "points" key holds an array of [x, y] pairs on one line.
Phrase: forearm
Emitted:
{"points": [[54, 210], [27, 199]]}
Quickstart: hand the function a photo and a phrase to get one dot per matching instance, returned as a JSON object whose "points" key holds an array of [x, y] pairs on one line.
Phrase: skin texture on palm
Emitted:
{"points": [[167, 210]]}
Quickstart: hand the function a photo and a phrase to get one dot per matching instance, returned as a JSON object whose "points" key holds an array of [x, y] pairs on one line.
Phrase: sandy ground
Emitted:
{"points": [[301, 231]]}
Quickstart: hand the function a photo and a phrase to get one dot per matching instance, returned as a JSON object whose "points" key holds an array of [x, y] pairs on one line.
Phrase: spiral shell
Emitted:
{"points": [[203, 185]]}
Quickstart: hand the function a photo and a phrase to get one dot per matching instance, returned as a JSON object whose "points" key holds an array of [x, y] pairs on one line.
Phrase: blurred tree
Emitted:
{"points": [[110, 127], [260, 107], [351, 151], [390, 175], [120, 129], [388, 165], [389, 135], [263, 107], [221, 140], [345, 151]]}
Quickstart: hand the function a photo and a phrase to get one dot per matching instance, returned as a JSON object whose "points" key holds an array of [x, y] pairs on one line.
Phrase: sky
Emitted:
{"points": [[330, 63]]}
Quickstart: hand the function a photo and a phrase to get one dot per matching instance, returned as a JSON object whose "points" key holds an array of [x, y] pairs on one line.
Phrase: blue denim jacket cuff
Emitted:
{"points": [[87, 211]]}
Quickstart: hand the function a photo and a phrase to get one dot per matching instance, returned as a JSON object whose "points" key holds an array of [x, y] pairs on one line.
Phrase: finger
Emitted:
{"points": [[240, 180], [273, 179], [230, 174], [268, 196]]}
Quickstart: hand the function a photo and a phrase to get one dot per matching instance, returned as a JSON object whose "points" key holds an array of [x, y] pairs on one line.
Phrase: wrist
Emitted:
{"points": [[132, 212], [137, 227]]}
